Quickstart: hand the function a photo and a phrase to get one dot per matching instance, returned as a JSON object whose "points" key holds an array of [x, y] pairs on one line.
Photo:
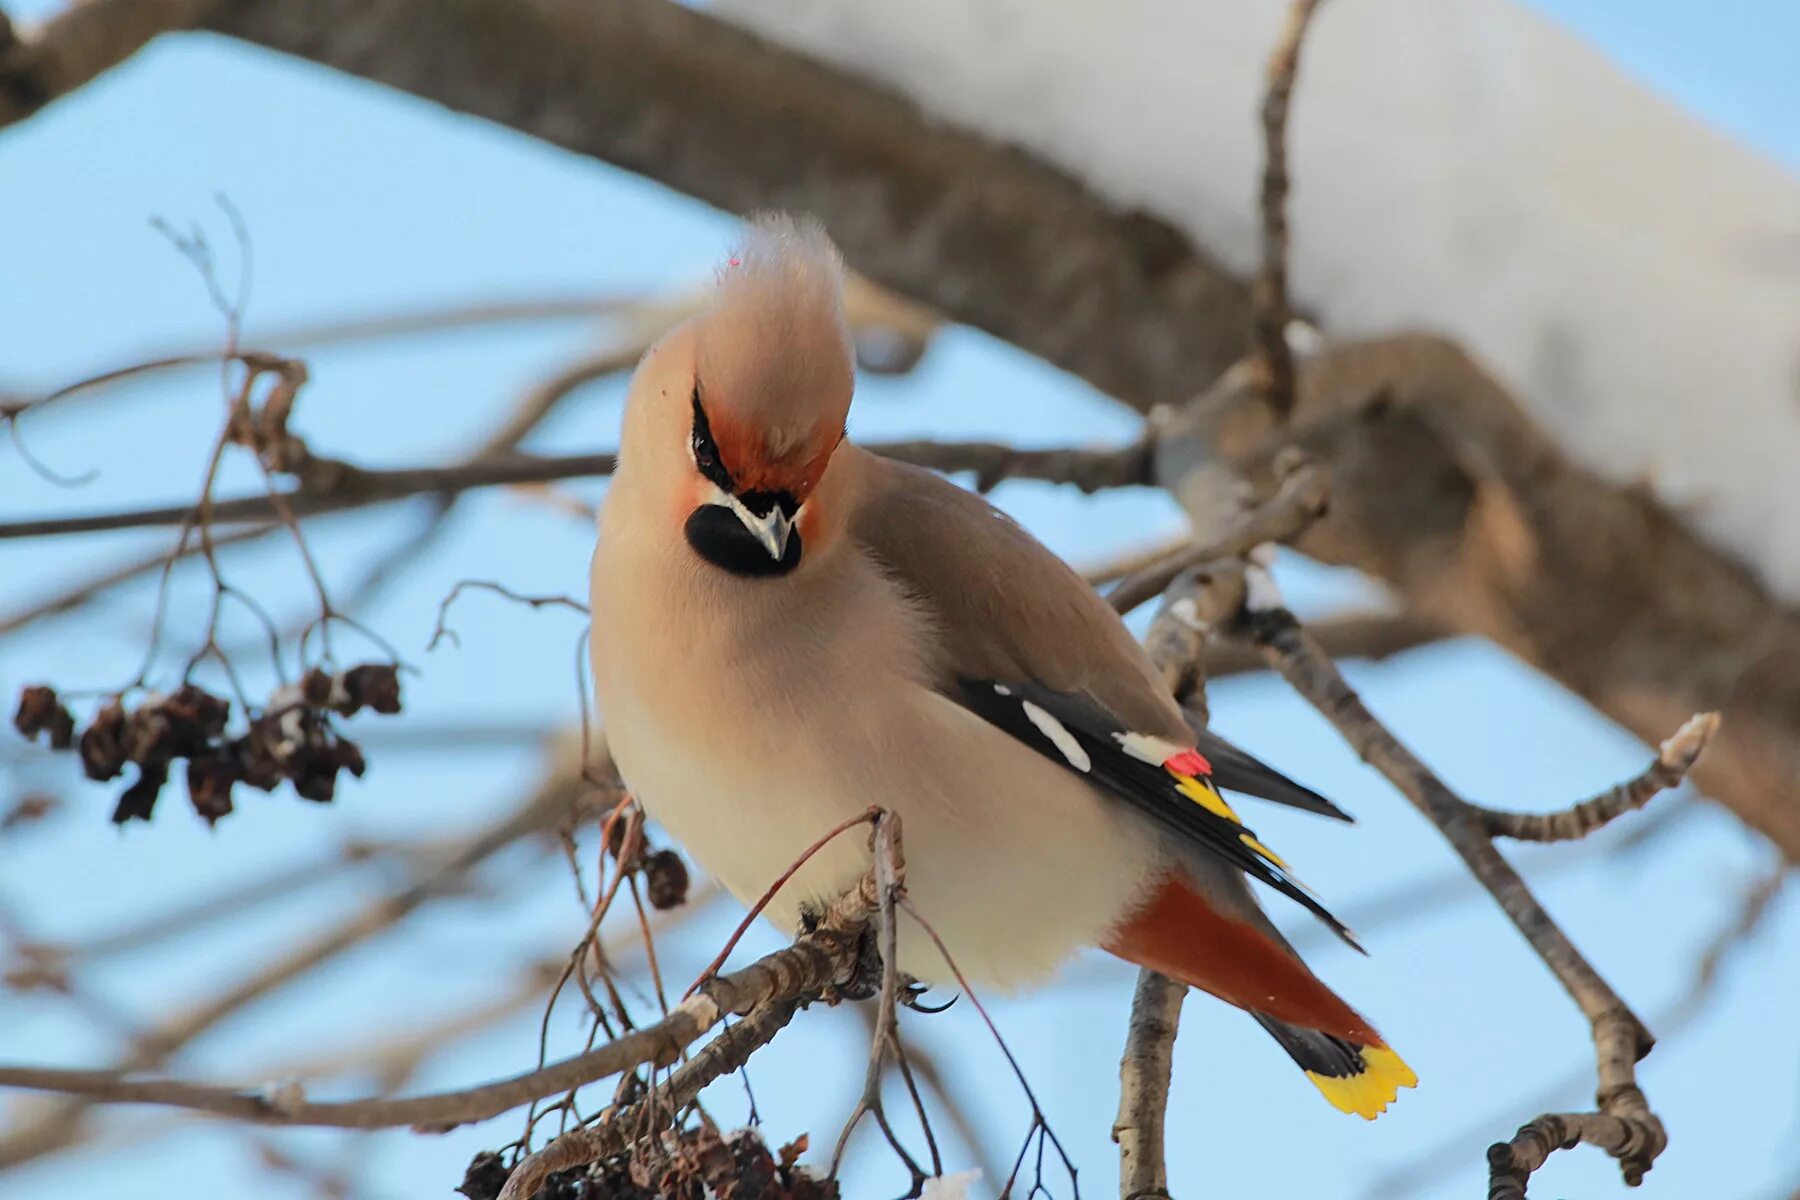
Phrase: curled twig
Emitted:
{"points": [[1675, 758], [441, 630]]}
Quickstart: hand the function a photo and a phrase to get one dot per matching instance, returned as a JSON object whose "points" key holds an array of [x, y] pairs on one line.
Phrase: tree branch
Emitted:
{"points": [[1144, 1074], [1270, 309], [784, 977], [711, 110], [1299, 500], [1624, 1125], [1368, 636], [76, 45], [1673, 761], [331, 485], [634, 1123], [1443, 489], [58, 1126]]}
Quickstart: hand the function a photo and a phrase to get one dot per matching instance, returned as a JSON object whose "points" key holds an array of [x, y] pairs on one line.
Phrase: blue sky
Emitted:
{"points": [[360, 201]]}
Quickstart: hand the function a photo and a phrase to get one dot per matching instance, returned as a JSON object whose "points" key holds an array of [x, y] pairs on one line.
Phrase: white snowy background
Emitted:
{"points": [[1625, 248]]}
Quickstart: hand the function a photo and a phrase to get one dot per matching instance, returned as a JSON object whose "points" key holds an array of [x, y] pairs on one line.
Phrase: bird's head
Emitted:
{"points": [[744, 404]]}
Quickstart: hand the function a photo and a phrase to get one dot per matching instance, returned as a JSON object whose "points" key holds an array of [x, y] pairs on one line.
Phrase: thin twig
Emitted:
{"points": [[890, 887], [332, 485], [814, 961], [1674, 759], [441, 631], [1369, 636], [1269, 308], [58, 1125], [618, 1133], [1299, 500]]}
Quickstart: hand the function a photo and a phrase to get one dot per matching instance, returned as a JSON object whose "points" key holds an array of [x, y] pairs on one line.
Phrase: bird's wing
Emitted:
{"points": [[1027, 645], [1237, 770]]}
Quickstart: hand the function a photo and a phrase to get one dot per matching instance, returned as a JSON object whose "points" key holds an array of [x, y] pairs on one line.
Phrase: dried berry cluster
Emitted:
{"points": [[665, 874], [293, 739], [698, 1164]]}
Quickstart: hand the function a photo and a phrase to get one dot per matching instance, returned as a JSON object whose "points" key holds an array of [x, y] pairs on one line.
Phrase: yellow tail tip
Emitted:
{"points": [[1368, 1092]]}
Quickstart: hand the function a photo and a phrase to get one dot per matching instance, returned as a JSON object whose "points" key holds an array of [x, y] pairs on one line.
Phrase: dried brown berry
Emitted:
{"points": [[349, 756], [615, 837], [255, 761], [102, 746], [665, 880], [486, 1175], [316, 687], [209, 780], [372, 685], [140, 798], [148, 740], [41, 712], [200, 715]]}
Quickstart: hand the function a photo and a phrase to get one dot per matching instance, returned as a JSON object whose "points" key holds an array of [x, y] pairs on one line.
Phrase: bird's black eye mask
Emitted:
{"points": [[706, 451]]}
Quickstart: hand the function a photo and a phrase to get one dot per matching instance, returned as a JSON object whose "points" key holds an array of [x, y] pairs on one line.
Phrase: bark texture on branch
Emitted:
{"points": [[44, 63], [1446, 491], [1144, 1076], [1006, 243]]}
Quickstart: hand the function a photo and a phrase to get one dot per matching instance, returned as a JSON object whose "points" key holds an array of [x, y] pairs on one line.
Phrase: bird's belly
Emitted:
{"points": [[1015, 861]]}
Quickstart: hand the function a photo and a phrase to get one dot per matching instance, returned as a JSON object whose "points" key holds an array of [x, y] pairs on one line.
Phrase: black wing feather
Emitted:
{"points": [[1237, 770], [1148, 787]]}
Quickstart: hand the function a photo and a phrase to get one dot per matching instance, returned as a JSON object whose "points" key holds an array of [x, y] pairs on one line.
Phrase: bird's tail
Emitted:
{"points": [[1181, 934], [1360, 1078]]}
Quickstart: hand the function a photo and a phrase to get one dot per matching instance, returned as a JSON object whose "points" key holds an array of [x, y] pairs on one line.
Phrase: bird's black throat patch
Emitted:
{"points": [[720, 538]]}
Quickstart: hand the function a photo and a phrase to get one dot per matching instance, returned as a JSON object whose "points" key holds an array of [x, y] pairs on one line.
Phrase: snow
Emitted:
{"points": [[949, 1187], [1470, 168]]}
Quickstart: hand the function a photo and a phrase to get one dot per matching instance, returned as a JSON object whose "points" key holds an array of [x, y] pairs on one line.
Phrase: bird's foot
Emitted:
{"points": [[912, 994], [864, 980]]}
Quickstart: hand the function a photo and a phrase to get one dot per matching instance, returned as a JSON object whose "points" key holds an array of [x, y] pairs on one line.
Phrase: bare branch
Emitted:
{"points": [[711, 110], [331, 485], [1624, 1125], [1670, 767], [1144, 1074], [777, 980], [725, 1053], [1369, 636], [1270, 311], [58, 1126], [1299, 500]]}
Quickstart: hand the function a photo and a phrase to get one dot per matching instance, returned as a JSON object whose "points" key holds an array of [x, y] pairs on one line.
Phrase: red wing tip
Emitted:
{"points": [[1188, 762]]}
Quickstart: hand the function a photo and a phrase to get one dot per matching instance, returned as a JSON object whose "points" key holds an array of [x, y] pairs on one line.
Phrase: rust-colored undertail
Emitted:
{"points": [[1181, 935]]}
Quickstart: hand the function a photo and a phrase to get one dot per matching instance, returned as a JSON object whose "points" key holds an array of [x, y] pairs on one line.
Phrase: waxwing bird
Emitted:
{"points": [[788, 629]]}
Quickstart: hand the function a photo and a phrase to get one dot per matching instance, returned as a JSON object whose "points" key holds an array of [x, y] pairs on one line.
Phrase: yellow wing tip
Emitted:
{"points": [[1367, 1093], [1202, 792]]}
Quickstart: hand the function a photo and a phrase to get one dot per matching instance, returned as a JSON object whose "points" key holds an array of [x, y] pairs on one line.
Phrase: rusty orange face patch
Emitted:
{"points": [[744, 452]]}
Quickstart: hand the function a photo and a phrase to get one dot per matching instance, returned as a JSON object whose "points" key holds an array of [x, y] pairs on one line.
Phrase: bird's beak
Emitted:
{"points": [[770, 530]]}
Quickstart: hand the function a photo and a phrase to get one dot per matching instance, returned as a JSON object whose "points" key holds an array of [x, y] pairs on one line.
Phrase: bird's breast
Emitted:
{"points": [[748, 742]]}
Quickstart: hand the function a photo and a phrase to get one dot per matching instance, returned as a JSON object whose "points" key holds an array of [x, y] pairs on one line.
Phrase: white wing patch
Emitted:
{"points": [[1059, 736], [1146, 748]]}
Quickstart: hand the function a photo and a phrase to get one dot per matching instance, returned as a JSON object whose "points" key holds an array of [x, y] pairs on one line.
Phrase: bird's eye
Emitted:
{"points": [[705, 450]]}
